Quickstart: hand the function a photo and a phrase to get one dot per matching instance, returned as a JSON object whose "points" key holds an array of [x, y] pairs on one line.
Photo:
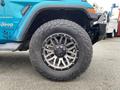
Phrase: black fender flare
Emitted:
{"points": [[39, 10]]}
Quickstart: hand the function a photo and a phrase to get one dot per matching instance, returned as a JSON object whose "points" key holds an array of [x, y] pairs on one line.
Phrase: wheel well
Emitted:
{"points": [[78, 16]]}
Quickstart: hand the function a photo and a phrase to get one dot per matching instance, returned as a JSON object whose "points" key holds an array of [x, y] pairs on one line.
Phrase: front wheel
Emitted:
{"points": [[60, 50]]}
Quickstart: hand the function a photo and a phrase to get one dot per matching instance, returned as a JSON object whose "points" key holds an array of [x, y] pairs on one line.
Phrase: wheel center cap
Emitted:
{"points": [[60, 50]]}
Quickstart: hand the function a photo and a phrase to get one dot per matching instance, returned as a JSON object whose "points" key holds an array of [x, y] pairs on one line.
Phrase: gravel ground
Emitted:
{"points": [[16, 72]]}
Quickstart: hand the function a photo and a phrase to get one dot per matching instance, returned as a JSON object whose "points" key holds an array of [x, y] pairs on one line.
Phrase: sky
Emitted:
{"points": [[106, 4]]}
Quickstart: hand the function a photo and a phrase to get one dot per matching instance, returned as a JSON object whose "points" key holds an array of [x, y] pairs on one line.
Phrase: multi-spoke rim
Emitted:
{"points": [[60, 51]]}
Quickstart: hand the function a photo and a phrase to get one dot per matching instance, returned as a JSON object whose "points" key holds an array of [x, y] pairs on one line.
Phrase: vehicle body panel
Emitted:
{"points": [[13, 23], [112, 26]]}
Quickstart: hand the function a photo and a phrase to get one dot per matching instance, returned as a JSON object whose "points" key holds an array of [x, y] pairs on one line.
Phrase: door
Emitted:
{"points": [[10, 17]]}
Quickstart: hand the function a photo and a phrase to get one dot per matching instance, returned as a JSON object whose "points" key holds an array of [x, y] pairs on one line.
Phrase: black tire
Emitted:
{"points": [[109, 35], [72, 29], [112, 35], [115, 33]]}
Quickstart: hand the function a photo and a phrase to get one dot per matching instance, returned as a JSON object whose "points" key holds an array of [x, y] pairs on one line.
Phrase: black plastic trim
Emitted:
{"points": [[102, 31]]}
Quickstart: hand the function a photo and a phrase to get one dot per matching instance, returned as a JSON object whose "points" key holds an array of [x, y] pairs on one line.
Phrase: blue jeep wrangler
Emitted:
{"points": [[58, 33]]}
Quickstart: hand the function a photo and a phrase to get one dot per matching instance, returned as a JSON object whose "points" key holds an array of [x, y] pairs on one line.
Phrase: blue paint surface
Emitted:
{"points": [[12, 22]]}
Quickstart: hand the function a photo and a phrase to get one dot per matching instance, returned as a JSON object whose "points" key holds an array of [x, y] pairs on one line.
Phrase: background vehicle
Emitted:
{"points": [[58, 33], [112, 26]]}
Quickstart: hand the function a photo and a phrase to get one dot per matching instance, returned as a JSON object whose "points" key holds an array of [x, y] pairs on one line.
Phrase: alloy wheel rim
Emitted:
{"points": [[60, 51]]}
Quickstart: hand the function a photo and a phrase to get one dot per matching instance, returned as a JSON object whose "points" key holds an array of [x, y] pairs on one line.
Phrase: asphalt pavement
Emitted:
{"points": [[17, 73]]}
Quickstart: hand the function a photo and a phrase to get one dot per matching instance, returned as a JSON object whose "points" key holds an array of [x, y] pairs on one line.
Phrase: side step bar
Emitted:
{"points": [[9, 46]]}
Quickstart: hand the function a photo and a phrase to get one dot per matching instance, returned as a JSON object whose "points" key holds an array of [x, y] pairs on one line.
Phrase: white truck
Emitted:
{"points": [[112, 25]]}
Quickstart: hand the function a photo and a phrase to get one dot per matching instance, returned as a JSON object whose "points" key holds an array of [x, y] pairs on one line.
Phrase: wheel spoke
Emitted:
{"points": [[61, 61], [65, 41], [49, 46], [49, 54], [67, 60], [70, 52], [52, 42], [56, 40], [54, 62], [68, 44], [49, 50], [61, 38], [71, 48], [53, 58], [58, 64], [70, 57]]}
